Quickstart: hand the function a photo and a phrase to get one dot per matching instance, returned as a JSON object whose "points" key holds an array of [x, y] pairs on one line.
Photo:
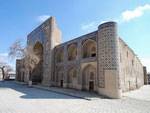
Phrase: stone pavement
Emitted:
{"points": [[16, 98], [72, 92], [141, 94]]}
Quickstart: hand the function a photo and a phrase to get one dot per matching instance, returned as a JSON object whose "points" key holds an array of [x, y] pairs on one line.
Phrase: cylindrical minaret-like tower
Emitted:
{"points": [[108, 60]]}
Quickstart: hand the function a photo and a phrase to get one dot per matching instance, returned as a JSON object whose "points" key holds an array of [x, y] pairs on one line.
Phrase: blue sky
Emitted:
{"points": [[75, 18]]}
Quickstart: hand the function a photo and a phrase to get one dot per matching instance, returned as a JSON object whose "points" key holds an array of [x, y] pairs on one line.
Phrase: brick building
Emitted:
{"points": [[99, 61]]}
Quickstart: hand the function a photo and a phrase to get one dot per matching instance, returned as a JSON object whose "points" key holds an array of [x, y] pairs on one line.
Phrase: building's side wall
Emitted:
{"points": [[131, 69]]}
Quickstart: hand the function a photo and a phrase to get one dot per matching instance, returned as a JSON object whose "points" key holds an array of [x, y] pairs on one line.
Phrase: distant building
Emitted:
{"points": [[1, 76], [145, 75], [99, 61], [10, 76], [148, 78]]}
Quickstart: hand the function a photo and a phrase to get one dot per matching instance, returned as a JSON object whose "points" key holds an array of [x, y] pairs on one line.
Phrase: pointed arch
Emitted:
{"points": [[72, 51], [59, 55], [60, 76], [37, 73], [88, 76], [89, 48]]}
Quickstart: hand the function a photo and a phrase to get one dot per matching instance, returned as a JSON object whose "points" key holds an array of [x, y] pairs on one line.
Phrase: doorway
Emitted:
{"points": [[61, 83], [91, 86]]}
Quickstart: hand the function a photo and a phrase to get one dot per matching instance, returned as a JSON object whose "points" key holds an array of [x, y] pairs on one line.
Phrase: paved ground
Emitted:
{"points": [[72, 92], [15, 98], [141, 94]]}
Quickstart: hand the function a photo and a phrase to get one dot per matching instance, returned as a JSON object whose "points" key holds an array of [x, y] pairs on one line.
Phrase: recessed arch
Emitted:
{"points": [[37, 73], [89, 48], [38, 49], [60, 76], [72, 73], [72, 51], [72, 77], [88, 76], [59, 55]]}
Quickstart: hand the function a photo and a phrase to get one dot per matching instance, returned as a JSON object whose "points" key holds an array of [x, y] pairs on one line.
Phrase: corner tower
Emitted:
{"points": [[108, 60]]}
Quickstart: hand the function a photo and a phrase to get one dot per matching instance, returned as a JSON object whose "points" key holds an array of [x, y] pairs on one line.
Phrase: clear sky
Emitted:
{"points": [[75, 18]]}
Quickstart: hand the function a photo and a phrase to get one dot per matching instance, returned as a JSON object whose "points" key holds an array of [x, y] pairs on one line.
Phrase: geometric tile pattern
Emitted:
{"points": [[107, 50]]}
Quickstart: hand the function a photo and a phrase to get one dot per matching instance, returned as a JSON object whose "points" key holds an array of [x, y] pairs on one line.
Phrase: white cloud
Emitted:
{"points": [[42, 18], [146, 62], [89, 26], [137, 12]]}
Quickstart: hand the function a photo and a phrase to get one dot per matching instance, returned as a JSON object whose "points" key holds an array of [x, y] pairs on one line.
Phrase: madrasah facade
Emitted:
{"points": [[99, 61]]}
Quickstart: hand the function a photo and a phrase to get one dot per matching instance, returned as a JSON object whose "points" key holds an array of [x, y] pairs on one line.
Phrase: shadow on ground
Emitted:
{"points": [[35, 93], [32, 93]]}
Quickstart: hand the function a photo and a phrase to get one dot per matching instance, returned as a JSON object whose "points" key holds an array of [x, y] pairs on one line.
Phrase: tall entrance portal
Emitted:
{"points": [[37, 73]]}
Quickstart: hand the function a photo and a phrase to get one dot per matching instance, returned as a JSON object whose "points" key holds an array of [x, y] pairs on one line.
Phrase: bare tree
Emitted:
{"points": [[30, 59], [5, 69], [17, 50]]}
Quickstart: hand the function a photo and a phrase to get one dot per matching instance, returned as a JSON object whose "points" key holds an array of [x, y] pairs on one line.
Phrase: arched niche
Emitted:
{"points": [[59, 55], [72, 51], [89, 48], [37, 73], [60, 76], [88, 77]]}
